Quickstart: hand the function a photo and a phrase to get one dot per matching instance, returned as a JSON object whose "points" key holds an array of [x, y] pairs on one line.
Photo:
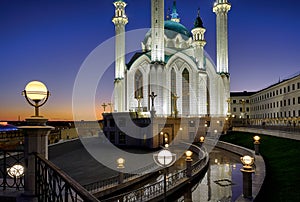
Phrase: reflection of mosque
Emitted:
{"points": [[171, 83]]}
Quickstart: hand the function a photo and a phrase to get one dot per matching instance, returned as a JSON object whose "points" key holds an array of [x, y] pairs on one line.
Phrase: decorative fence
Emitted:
{"points": [[8, 159], [52, 184], [114, 181], [156, 189]]}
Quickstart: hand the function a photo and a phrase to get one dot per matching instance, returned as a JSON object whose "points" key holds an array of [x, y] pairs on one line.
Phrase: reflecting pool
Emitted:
{"points": [[222, 181]]}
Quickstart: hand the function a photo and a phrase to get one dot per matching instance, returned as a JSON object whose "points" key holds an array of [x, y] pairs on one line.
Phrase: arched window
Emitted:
{"points": [[185, 92], [173, 88], [138, 84]]}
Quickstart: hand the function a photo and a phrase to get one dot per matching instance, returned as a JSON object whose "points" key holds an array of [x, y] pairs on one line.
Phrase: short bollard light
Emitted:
{"points": [[36, 94], [247, 171], [188, 161], [256, 144], [188, 155], [120, 166], [16, 171], [202, 138]]}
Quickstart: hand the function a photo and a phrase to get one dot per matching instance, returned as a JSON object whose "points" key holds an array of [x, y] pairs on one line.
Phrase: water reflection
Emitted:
{"points": [[222, 181]]}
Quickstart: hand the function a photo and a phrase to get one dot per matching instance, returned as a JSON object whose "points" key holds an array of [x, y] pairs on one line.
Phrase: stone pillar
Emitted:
{"points": [[247, 182], [36, 141], [189, 167]]}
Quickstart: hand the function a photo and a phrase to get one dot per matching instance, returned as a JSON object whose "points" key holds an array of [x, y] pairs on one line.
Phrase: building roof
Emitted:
{"points": [[198, 22], [240, 94], [7, 127], [177, 27]]}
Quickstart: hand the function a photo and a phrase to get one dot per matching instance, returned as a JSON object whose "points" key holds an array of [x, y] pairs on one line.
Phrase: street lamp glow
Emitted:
{"points": [[36, 92], [188, 155], [164, 157], [256, 138], [16, 171], [120, 162], [202, 138], [247, 161]]}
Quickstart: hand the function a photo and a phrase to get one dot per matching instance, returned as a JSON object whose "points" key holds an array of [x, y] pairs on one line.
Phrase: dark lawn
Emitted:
{"points": [[282, 159]]}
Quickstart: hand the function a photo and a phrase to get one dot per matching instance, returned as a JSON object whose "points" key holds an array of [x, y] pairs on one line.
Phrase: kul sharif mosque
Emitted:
{"points": [[172, 75]]}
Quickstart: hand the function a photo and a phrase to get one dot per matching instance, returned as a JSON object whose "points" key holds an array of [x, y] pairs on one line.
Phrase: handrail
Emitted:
{"points": [[53, 184], [114, 181], [153, 190]]}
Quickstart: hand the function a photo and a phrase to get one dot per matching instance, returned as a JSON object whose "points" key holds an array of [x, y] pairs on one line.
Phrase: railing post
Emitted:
{"points": [[36, 141]]}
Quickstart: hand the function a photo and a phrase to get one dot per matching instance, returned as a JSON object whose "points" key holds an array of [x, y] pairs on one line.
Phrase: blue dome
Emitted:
{"points": [[7, 127], [177, 27]]}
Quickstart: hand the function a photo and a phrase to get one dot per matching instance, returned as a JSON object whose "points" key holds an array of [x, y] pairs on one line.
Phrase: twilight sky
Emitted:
{"points": [[49, 40]]}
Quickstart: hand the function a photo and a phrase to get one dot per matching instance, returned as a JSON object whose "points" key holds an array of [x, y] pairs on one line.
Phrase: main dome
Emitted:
{"points": [[172, 29], [177, 27]]}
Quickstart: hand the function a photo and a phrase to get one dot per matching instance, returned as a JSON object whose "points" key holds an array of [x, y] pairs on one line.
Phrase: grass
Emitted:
{"points": [[282, 159]]}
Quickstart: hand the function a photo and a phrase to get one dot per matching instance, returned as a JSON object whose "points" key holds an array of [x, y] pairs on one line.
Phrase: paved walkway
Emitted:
{"points": [[276, 133]]}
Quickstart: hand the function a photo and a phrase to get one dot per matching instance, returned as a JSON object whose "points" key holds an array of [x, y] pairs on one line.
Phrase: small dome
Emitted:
{"points": [[177, 27]]}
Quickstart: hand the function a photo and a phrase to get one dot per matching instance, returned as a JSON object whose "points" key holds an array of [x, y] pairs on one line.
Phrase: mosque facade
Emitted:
{"points": [[172, 66]]}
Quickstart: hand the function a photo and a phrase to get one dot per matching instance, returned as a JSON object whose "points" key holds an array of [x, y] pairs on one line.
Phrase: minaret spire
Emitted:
{"points": [[174, 14], [157, 31], [199, 40], [221, 8]]}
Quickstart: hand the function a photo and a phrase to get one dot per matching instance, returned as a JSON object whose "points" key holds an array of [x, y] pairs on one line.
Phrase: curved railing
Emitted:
{"points": [[156, 189], [99, 186], [52, 184]]}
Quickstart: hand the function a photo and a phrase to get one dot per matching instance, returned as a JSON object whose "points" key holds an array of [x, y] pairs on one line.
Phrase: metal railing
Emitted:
{"points": [[156, 189], [9, 158], [294, 129], [114, 181], [52, 184]]}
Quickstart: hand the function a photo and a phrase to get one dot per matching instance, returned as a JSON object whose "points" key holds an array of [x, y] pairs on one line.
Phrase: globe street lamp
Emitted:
{"points": [[36, 94], [256, 144], [16, 171], [202, 138], [247, 171], [164, 159]]}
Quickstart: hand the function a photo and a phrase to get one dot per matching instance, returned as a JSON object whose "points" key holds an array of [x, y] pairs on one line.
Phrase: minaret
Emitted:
{"points": [[199, 41], [221, 8], [120, 20], [157, 31]]}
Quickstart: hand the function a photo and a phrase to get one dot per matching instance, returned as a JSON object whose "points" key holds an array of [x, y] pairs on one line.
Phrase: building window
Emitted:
{"points": [[289, 102], [247, 109], [122, 138], [173, 89], [280, 91], [138, 84], [112, 137], [185, 92], [122, 122], [233, 101], [294, 101], [284, 90], [298, 85], [284, 102], [192, 123], [276, 92], [241, 109], [293, 86], [234, 109], [112, 123], [298, 100]]}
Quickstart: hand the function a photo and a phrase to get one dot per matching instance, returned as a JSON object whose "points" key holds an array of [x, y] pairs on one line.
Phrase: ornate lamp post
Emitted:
{"points": [[164, 159], [247, 171], [256, 144], [35, 135]]}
